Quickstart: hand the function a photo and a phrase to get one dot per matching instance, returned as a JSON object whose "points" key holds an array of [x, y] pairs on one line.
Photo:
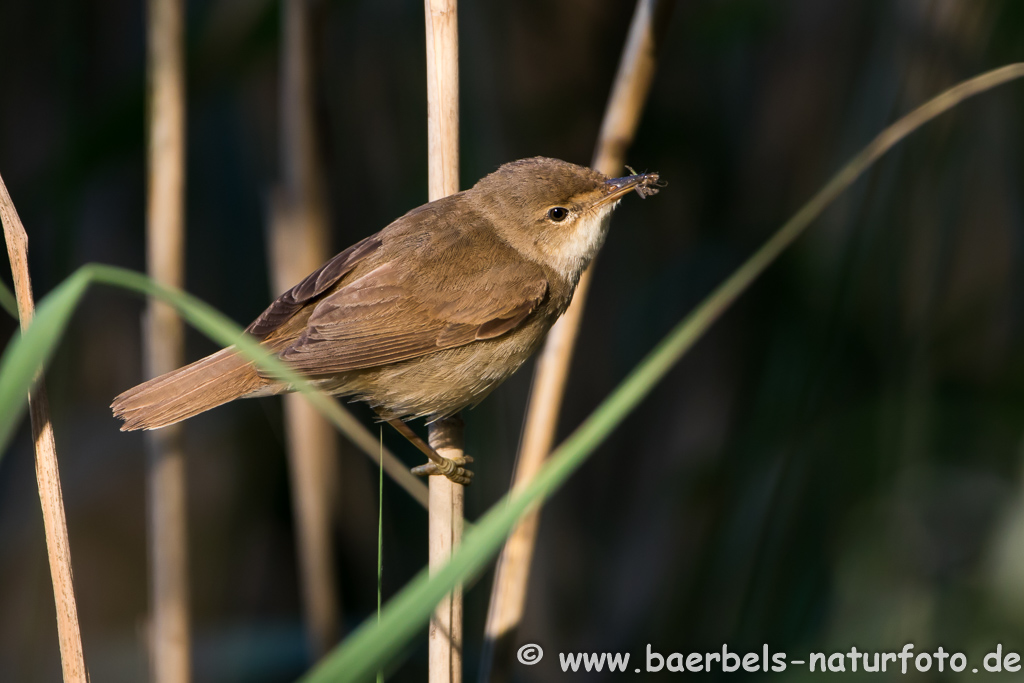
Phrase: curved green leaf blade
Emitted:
{"points": [[33, 349], [369, 647], [28, 353]]}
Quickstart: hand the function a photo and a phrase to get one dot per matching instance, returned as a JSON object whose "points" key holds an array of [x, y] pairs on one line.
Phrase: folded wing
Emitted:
{"points": [[394, 313]]}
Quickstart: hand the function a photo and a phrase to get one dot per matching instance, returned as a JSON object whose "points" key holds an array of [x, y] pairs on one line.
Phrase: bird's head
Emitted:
{"points": [[555, 212]]}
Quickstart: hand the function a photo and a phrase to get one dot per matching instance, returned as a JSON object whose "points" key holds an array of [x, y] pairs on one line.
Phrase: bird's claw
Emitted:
{"points": [[452, 468]]}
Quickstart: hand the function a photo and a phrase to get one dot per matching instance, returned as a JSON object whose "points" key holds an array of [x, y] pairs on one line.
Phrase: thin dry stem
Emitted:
{"points": [[299, 245], [446, 502], [47, 473], [442, 98], [164, 348], [625, 105], [446, 525]]}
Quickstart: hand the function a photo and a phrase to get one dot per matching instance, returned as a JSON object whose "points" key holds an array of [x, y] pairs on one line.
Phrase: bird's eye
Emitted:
{"points": [[558, 214]]}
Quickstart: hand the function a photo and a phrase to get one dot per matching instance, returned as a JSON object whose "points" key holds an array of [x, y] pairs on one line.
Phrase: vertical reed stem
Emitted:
{"points": [[299, 245], [446, 518], [446, 498], [164, 342], [47, 474], [625, 104]]}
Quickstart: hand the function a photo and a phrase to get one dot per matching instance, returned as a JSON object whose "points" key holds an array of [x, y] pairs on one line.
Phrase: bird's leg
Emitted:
{"points": [[453, 468]]}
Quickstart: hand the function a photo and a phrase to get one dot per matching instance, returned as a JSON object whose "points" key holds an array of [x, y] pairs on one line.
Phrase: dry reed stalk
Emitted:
{"points": [[47, 474], [446, 524], [164, 337], [446, 497], [299, 244], [625, 104]]}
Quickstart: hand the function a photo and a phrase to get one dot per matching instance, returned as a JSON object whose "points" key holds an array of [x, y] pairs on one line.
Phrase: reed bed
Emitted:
{"points": [[628, 420]]}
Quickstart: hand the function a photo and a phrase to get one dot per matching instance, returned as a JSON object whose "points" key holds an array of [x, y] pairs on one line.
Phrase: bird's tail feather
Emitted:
{"points": [[193, 389]]}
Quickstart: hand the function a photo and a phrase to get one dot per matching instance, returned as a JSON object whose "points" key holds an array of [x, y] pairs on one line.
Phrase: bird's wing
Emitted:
{"points": [[452, 295], [315, 285]]}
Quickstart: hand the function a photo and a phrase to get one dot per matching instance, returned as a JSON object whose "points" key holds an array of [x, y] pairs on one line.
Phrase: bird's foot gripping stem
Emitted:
{"points": [[452, 468]]}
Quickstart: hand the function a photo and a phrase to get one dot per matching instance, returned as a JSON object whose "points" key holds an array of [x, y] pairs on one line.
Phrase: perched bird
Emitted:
{"points": [[430, 314]]}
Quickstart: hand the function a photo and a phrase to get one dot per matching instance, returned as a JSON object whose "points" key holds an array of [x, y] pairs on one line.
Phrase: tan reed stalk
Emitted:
{"points": [[299, 244], [164, 343], [47, 474], [446, 501], [629, 93], [446, 526]]}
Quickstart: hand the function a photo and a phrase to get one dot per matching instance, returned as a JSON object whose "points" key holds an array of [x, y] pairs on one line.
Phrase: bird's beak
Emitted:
{"points": [[616, 188]]}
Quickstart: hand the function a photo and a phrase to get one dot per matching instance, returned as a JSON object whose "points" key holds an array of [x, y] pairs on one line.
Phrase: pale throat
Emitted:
{"points": [[579, 247]]}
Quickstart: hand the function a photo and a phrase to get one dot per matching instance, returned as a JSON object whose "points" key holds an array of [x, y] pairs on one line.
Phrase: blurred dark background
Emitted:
{"points": [[837, 463]]}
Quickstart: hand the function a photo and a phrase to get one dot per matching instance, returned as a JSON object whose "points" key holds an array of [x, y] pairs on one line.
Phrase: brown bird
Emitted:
{"points": [[429, 315]]}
